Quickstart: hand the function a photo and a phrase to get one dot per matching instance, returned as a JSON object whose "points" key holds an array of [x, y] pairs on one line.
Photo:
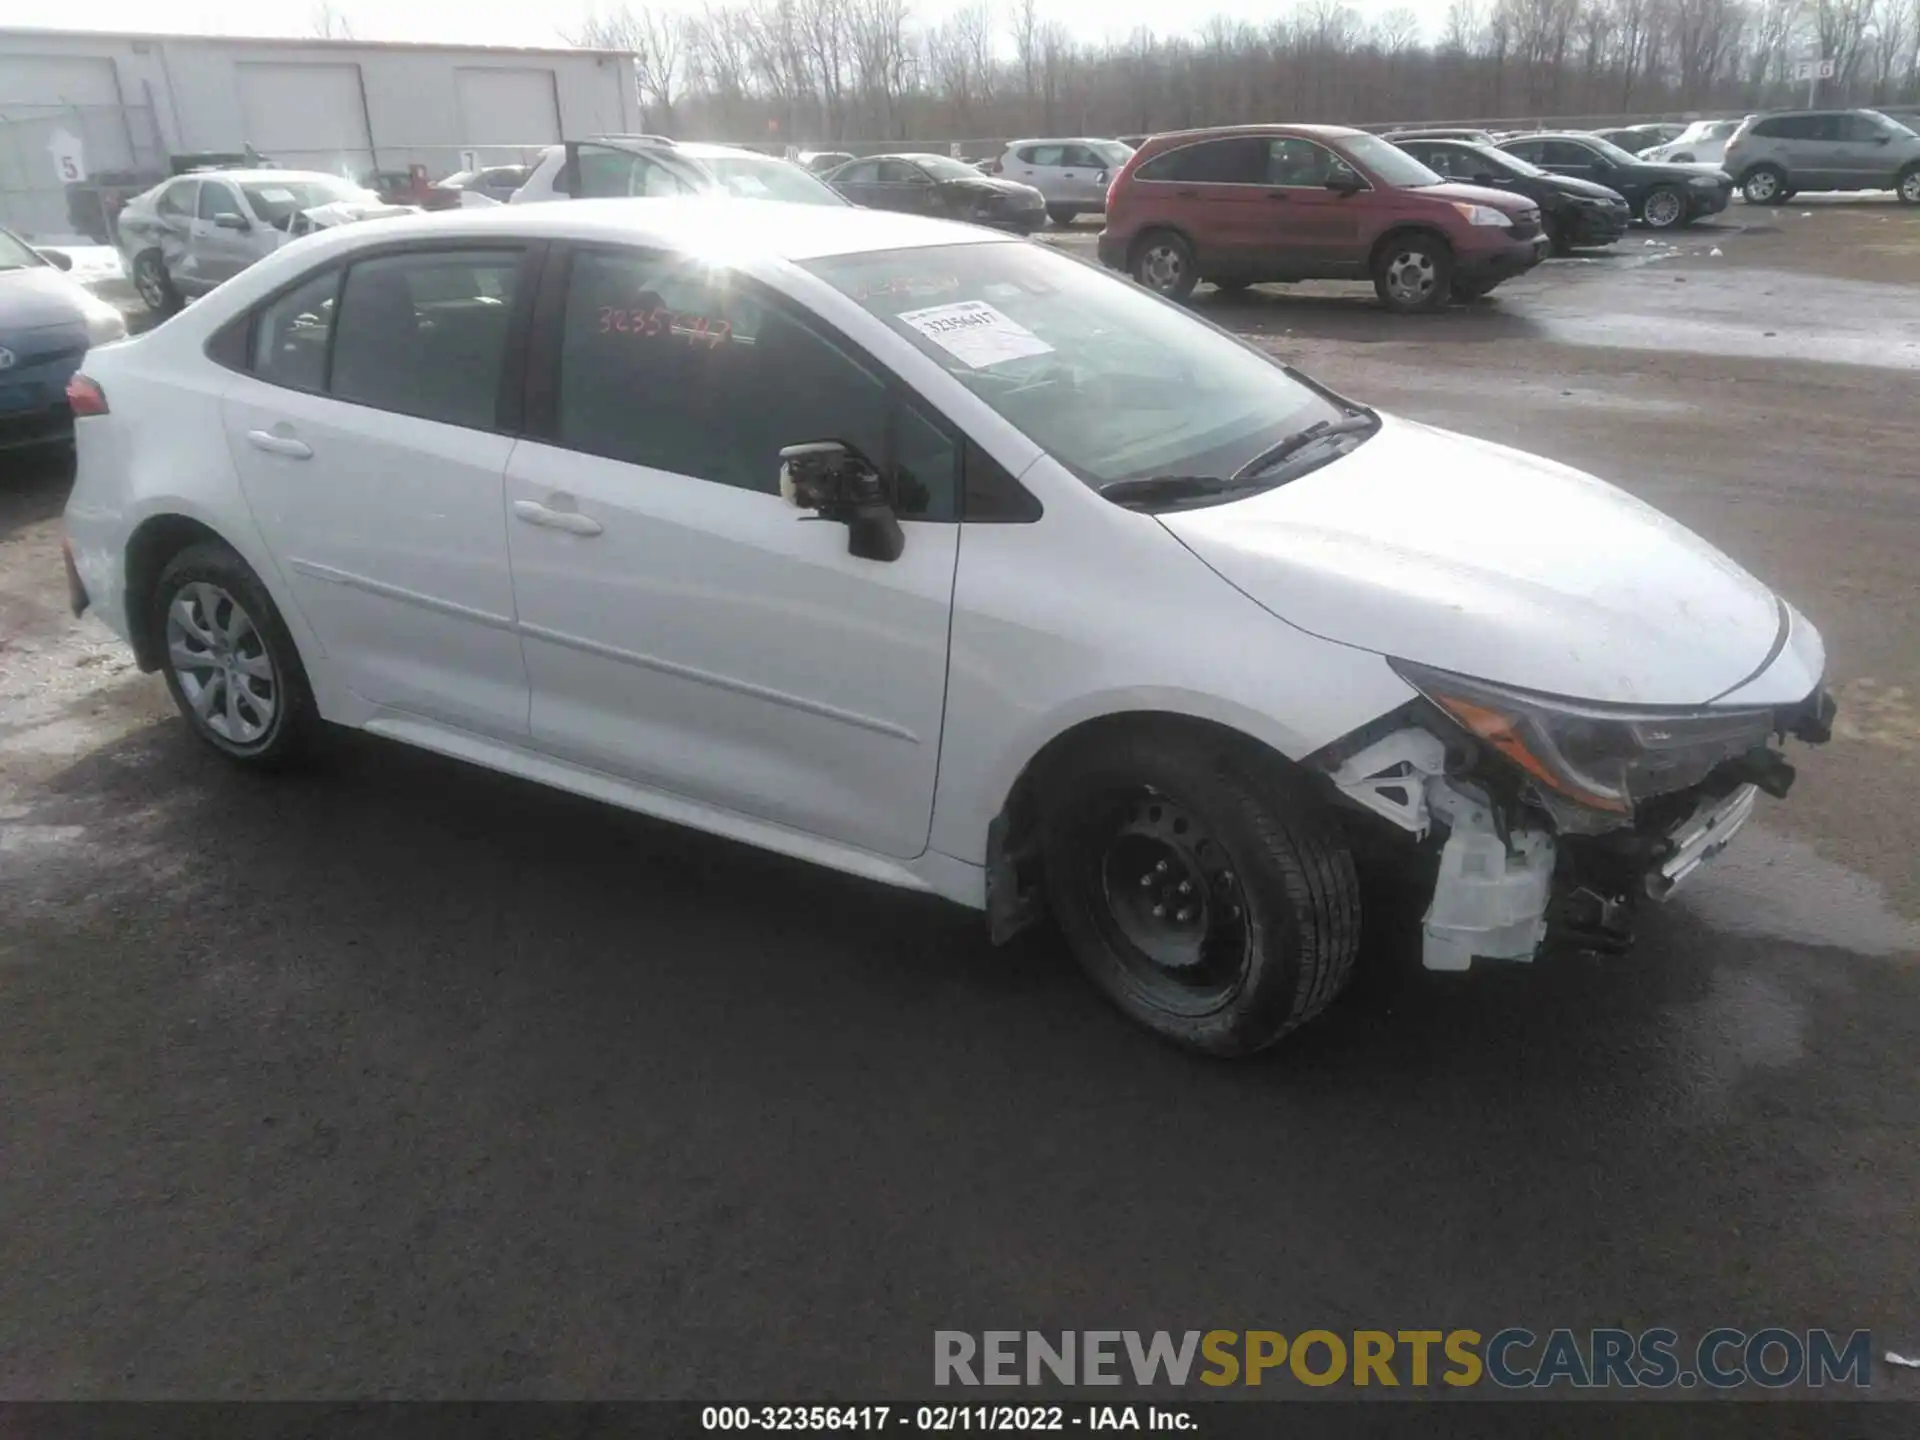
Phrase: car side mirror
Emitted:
{"points": [[1483, 178], [1343, 182], [232, 222], [838, 483], [59, 259]]}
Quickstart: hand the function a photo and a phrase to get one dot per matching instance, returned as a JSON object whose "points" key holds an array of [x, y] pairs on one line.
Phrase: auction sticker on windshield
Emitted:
{"points": [[975, 334]]}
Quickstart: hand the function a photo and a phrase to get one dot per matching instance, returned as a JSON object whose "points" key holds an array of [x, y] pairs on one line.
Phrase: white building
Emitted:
{"points": [[97, 103]]}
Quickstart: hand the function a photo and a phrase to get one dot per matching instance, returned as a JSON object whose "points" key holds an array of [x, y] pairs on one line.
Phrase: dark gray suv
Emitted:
{"points": [[1773, 156]]}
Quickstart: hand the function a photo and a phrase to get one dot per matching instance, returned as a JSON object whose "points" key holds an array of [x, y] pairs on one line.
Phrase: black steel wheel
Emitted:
{"points": [[1200, 883]]}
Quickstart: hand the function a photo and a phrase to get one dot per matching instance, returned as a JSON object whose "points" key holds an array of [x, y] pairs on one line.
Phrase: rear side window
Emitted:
{"points": [[290, 335], [1241, 160], [677, 368], [177, 199], [1792, 127], [426, 334]]}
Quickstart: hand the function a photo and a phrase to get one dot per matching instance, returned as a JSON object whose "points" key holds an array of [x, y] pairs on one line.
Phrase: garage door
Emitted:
{"points": [[305, 116], [34, 80], [507, 107]]}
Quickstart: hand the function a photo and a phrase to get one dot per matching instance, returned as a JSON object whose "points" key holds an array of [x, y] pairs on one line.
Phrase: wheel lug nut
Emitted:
{"points": [[1184, 915], [1146, 881], [1186, 887], [1160, 867], [1159, 911]]}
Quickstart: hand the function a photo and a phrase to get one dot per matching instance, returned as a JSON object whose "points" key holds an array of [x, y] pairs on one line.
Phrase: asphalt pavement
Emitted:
{"points": [[403, 1079]]}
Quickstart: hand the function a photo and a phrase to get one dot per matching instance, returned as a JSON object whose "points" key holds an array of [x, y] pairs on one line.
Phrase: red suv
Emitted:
{"points": [[1257, 203]]}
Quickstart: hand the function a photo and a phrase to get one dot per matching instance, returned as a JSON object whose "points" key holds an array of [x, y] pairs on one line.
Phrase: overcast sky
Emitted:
{"points": [[518, 22]]}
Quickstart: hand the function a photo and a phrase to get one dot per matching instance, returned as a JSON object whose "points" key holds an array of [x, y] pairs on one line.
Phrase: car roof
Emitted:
{"points": [[1554, 135], [702, 150], [266, 177], [746, 229], [1223, 132]]}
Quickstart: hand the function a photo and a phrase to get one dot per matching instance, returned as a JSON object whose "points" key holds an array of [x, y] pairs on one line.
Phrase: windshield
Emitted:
{"points": [[16, 254], [278, 201], [1388, 161], [942, 167], [1109, 380], [761, 177]]}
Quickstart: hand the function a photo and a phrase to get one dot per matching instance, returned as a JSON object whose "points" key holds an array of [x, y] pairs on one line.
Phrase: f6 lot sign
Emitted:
{"points": [[1813, 69]]}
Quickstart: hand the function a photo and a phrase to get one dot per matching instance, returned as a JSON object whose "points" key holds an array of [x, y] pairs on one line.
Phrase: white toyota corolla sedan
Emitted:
{"points": [[937, 557]]}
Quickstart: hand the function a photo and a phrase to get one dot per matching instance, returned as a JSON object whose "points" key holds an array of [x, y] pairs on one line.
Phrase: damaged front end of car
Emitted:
{"points": [[1559, 816]]}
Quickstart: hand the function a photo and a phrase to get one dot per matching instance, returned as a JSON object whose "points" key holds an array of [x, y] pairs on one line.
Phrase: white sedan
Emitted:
{"points": [[1110, 616]]}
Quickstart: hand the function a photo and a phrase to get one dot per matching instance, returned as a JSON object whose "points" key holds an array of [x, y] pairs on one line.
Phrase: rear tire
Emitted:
{"points": [[1258, 902], [1062, 215], [155, 285], [1413, 273], [230, 664], [1163, 262], [1764, 185]]}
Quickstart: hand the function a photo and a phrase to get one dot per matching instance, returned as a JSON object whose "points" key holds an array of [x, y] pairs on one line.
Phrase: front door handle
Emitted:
{"points": [[277, 444], [1276, 194], [571, 521]]}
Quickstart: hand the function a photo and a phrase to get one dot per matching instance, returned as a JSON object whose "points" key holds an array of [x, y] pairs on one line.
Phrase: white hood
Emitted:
{"points": [[1476, 558]]}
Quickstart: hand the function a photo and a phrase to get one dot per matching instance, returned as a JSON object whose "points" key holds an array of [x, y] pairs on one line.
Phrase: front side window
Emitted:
{"points": [[1301, 164], [945, 167], [1868, 127], [1532, 151], [610, 173], [1047, 155], [290, 335], [177, 199], [426, 334], [761, 177], [1111, 381], [217, 199], [899, 172], [677, 367], [866, 172], [1567, 155]]}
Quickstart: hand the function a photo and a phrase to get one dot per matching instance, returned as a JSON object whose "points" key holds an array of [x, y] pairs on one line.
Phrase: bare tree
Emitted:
{"points": [[1026, 52], [329, 22], [656, 41]]}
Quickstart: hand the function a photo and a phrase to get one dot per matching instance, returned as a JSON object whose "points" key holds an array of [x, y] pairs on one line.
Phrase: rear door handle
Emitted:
{"points": [[571, 521], [1276, 194], [1187, 194], [287, 445]]}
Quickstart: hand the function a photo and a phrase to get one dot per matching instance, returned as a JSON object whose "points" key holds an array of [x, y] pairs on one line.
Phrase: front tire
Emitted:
{"points": [[1764, 185], [1062, 215], [1413, 274], [1665, 208], [230, 664], [1559, 236], [1907, 187], [1202, 887], [155, 285], [1163, 262]]}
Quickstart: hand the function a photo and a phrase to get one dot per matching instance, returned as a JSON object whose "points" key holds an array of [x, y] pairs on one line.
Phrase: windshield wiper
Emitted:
{"points": [[1154, 492], [1351, 424]]}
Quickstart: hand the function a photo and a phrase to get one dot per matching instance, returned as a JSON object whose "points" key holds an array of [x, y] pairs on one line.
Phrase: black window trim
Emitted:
{"points": [[235, 340], [540, 415]]}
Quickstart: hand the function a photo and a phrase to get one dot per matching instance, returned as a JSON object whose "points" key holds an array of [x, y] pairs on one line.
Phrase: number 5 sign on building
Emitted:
{"points": [[69, 158]]}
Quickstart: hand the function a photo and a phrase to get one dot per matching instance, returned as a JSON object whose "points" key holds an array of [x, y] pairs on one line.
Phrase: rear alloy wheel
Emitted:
{"points": [[1908, 186], [1664, 208], [1202, 889], [1764, 185], [1413, 273], [229, 661], [155, 285], [1163, 262]]}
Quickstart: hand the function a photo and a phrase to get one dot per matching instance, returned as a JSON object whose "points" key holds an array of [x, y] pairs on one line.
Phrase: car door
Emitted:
{"points": [[1863, 151], [859, 182], [174, 219], [1040, 167], [904, 186], [222, 233], [1319, 227], [370, 442], [684, 626], [1811, 146], [1215, 192], [1084, 177]]}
